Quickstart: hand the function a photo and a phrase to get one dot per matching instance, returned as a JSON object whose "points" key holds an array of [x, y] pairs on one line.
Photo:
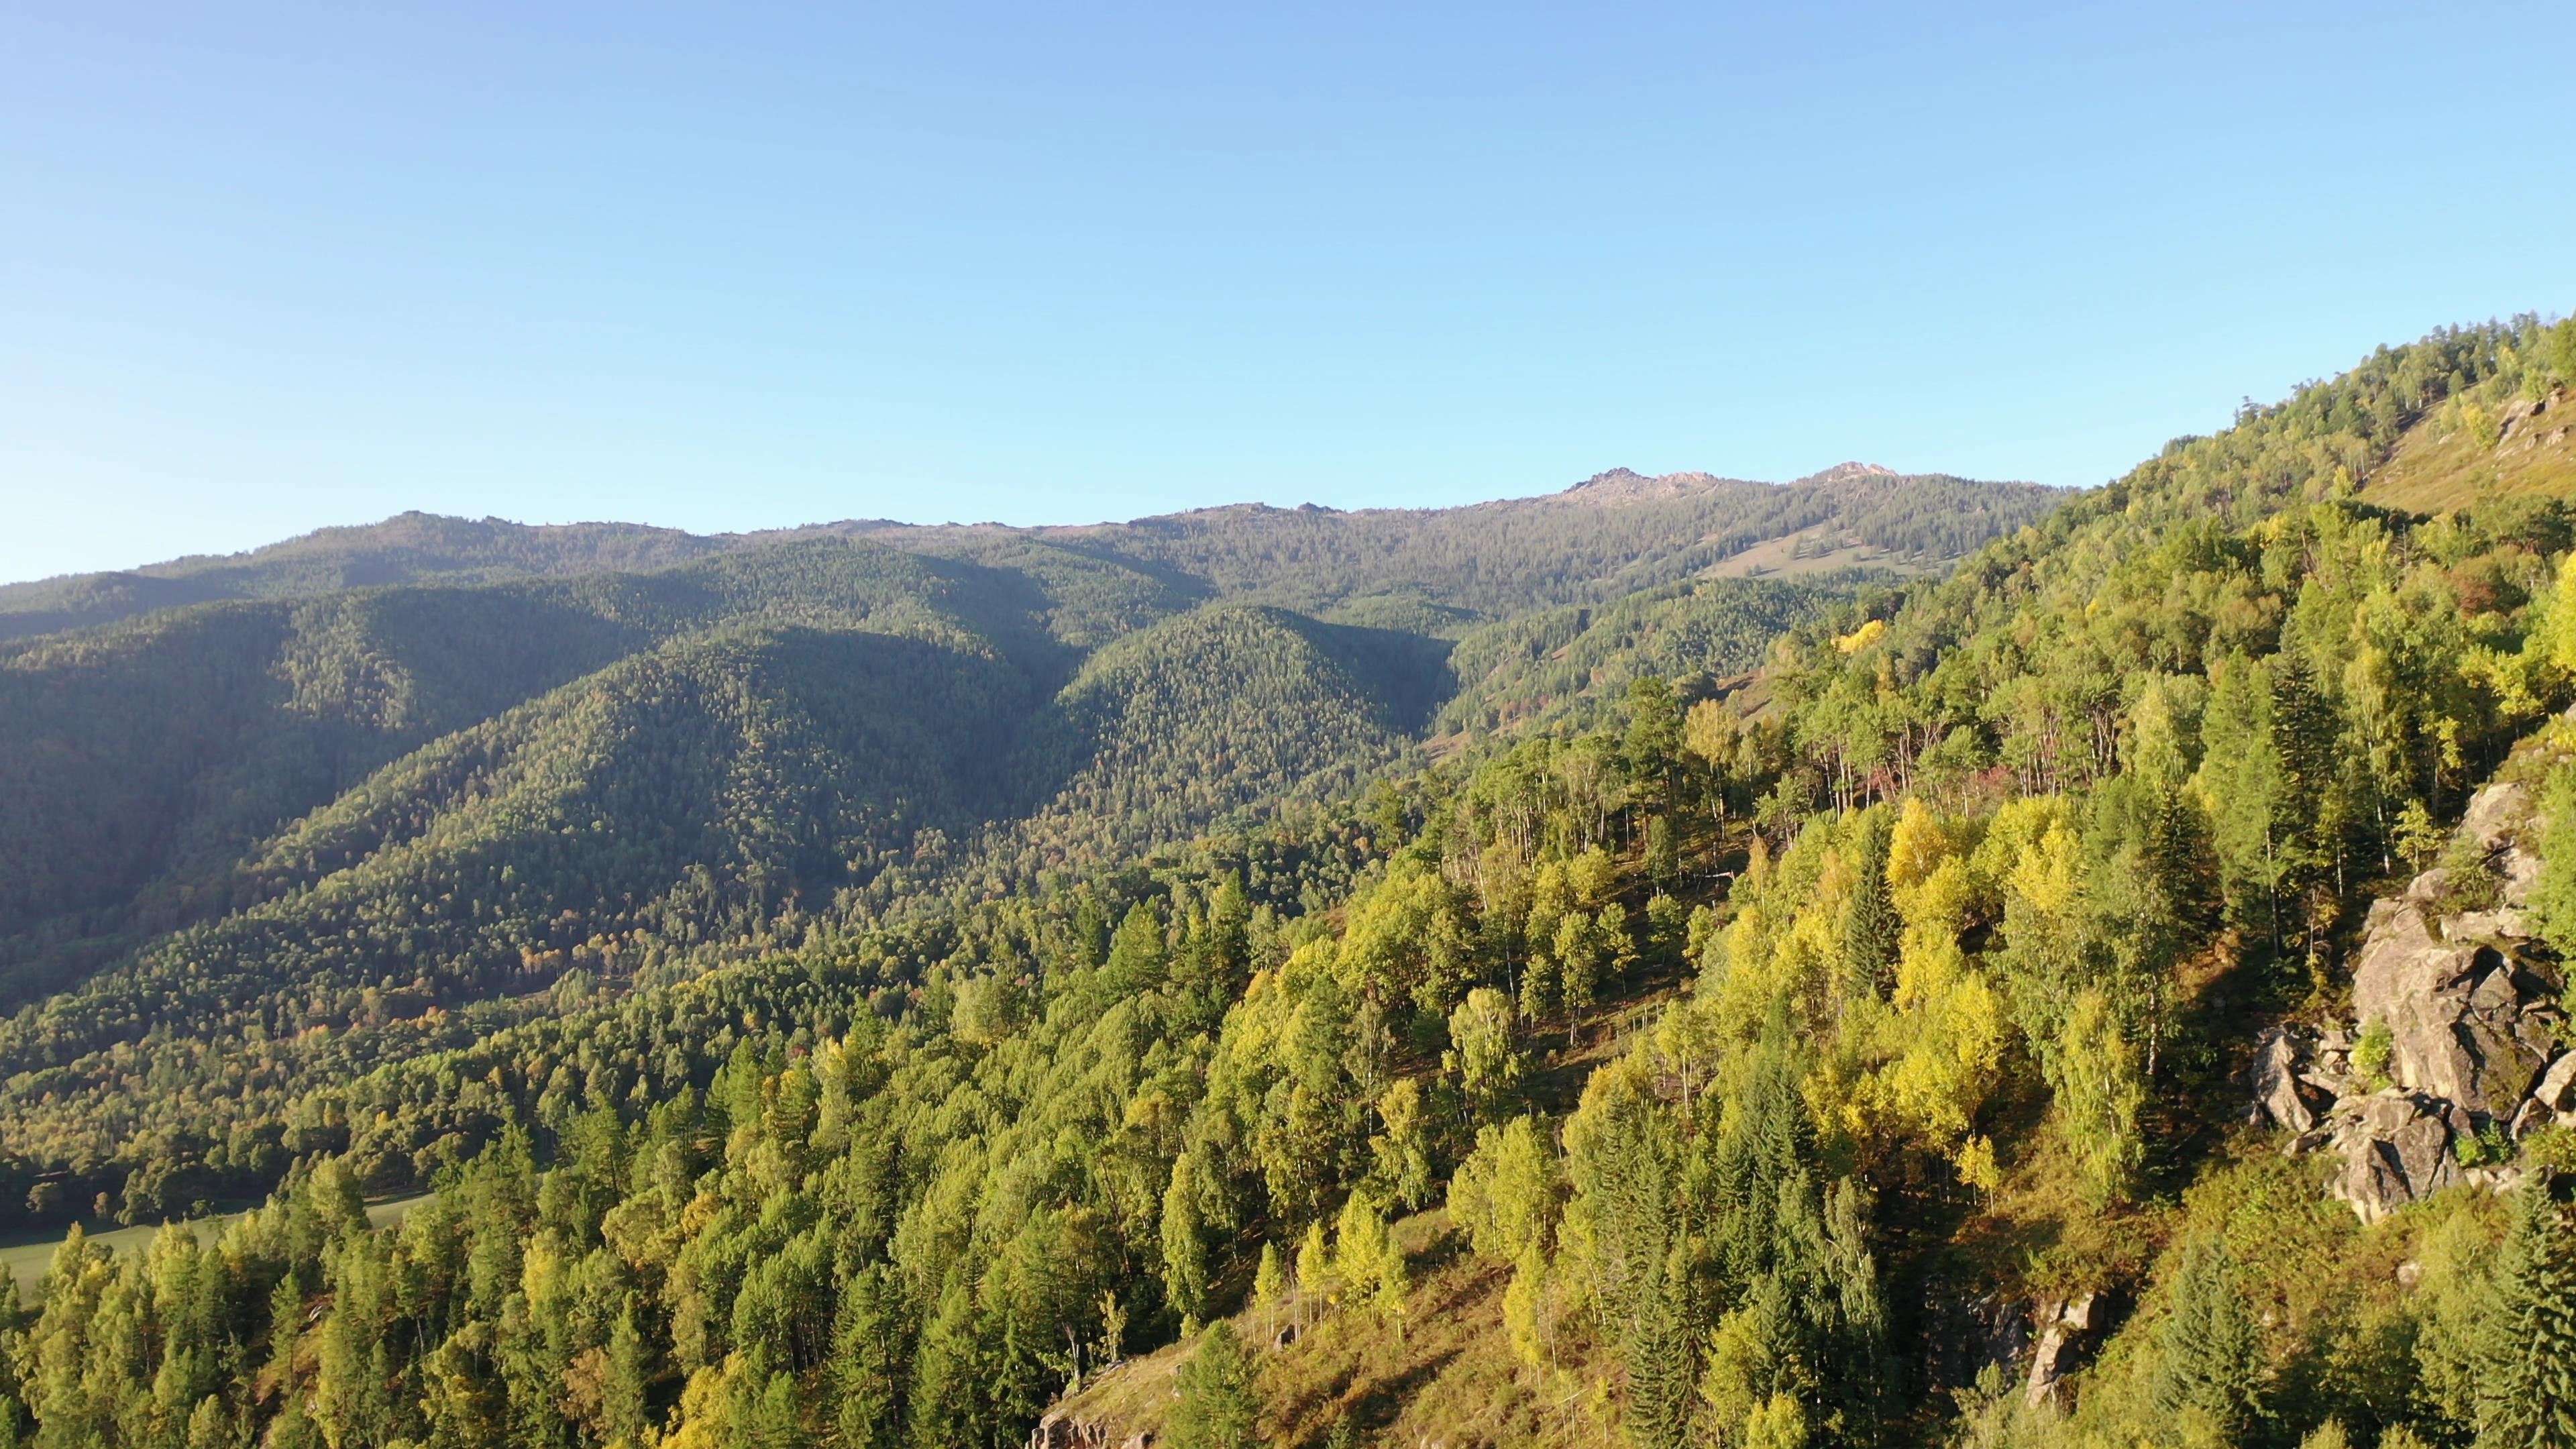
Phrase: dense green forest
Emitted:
{"points": [[2108, 994], [256, 846]]}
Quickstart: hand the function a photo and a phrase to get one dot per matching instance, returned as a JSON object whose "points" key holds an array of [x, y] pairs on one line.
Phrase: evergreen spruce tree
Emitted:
{"points": [[2527, 1394], [2210, 1365], [2240, 782], [1136, 962], [1217, 1408], [1870, 925], [623, 1401], [1663, 1367], [948, 1377]]}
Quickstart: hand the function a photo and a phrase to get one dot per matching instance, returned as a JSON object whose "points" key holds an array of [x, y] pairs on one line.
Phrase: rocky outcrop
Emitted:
{"points": [[2068, 1329], [1962, 1334], [1068, 1425], [2466, 1020], [1056, 1431], [2469, 1018], [2042, 1341], [2398, 1148], [2279, 1096]]}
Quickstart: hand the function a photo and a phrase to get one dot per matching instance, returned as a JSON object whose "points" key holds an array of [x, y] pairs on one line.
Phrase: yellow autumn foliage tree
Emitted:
{"points": [[1942, 1043]]}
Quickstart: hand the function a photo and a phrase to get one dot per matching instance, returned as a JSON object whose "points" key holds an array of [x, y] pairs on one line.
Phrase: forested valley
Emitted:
{"points": [[1461, 979]]}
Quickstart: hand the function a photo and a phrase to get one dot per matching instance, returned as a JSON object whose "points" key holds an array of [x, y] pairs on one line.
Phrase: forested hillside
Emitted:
{"points": [[414, 548], [1596, 540], [256, 846], [2110, 994], [1578, 662]]}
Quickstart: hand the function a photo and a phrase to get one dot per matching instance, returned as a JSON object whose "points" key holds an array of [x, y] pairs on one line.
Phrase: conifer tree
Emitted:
{"points": [[2209, 1370], [1217, 1408], [1870, 924], [1185, 1259], [1654, 743], [1662, 1356], [1135, 963], [2527, 1394]]}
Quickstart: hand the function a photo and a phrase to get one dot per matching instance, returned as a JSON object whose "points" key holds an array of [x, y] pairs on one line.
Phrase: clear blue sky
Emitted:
{"points": [[267, 268]]}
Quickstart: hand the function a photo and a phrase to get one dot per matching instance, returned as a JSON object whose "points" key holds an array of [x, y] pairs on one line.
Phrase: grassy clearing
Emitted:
{"points": [[2441, 464], [27, 1262], [1444, 1375], [1820, 550]]}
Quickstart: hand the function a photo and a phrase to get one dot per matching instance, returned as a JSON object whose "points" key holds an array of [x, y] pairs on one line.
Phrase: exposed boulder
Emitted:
{"points": [[2279, 1096], [1055, 1431], [2557, 1088], [2068, 1328], [2326, 1068], [2470, 1024], [2503, 925], [2397, 1149]]}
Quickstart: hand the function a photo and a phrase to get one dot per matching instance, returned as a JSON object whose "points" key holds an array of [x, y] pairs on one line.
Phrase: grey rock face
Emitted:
{"points": [[2465, 1016], [2066, 1329], [2278, 1097], [2497, 820], [2474, 1023], [2397, 1149]]}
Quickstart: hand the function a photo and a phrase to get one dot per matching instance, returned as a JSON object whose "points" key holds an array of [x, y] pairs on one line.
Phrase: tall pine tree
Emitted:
{"points": [[2209, 1376], [2527, 1396], [1217, 1408]]}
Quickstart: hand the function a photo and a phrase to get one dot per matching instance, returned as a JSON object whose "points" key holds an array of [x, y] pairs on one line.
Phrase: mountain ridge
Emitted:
{"points": [[397, 811], [417, 547]]}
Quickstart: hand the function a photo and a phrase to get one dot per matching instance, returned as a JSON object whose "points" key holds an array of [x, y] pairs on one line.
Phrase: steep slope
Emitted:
{"points": [[2047, 850], [1576, 663], [150, 756], [1228, 707], [2481, 448]]}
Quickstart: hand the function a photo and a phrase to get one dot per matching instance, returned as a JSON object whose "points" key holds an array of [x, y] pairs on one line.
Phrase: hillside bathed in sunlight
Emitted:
{"points": [[2088, 970], [1135, 726]]}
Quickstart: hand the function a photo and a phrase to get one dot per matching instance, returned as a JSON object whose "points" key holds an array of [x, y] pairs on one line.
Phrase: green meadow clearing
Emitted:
{"points": [[26, 1262]]}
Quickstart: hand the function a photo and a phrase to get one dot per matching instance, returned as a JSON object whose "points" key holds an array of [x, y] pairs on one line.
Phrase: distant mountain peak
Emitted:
{"points": [[1627, 485], [1621, 485], [1845, 472]]}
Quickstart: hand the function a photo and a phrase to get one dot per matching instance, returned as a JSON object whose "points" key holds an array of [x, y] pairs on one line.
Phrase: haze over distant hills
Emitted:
{"points": [[1535, 550]]}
